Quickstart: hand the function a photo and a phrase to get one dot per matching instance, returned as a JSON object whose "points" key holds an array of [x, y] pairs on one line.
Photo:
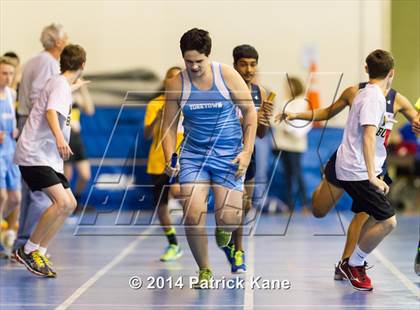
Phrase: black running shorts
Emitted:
{"points": [[252, 168], [367, 199], [39, 177], [160, 189], [329, 171], [77, 147]]}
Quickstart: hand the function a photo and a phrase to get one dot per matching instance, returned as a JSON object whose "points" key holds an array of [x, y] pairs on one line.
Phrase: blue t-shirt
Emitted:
{"points": [[7, 124], [410, 137]]}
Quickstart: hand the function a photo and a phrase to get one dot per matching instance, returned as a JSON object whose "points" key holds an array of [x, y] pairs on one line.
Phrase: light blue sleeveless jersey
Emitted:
{"points": [[9, 172], [211, 125], [7, 124]]}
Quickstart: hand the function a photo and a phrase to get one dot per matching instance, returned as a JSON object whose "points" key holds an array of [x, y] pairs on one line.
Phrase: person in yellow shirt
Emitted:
{"points": [[418, 105], [156, 167], [416, 129]]}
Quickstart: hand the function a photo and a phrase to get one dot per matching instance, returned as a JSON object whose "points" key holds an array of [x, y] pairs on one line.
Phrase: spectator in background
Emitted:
{"points": [[291, 141], [404, 149], [416, 130], [36, 72], [11, 220], [416, 122], [10, 181], [82, 102], [18, 70], [156, 167]]}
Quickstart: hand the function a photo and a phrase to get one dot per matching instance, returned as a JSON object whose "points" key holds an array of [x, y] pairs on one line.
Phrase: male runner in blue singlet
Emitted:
{"points": [[214, 154]]}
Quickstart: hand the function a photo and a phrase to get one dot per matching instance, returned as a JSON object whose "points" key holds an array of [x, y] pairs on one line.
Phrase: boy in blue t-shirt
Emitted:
{"points": [[9, 173]]}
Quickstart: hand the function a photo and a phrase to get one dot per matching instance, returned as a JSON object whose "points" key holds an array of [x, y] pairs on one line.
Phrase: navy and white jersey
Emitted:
{"points": [[256, 99], [211, 126], [256, 95], [385, 129]]}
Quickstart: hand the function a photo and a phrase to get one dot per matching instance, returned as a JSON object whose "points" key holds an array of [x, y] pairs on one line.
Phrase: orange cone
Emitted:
{"points": [[313, 91]]}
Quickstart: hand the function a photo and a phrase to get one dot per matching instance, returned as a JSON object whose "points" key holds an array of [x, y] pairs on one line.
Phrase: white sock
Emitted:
{"points": [[9, 238], [42, 250], [358, 257], [11, 234], [30, 247]]}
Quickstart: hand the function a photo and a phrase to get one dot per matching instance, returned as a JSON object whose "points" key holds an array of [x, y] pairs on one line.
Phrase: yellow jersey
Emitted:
{"points": [[156, 162], [75, 114], [417, 105]]}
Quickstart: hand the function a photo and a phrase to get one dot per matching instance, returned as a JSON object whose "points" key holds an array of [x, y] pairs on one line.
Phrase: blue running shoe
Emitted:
{"points": [[229, 252]]}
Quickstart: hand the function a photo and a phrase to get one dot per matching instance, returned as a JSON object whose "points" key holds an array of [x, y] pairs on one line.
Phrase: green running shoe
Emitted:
{"points": [[172, 252], [205, 276]]}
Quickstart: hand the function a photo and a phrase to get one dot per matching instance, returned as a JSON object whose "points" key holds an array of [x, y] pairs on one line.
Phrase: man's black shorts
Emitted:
{"points": [[160, 191], [329, 171], [39, 177], [367, 199], [252, 168], [331, 176]]}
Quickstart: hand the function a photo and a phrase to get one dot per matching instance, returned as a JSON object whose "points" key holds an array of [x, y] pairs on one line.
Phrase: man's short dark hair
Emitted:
{"points": [[244, 51], [72, 58], [379, 63], [196, 40]]}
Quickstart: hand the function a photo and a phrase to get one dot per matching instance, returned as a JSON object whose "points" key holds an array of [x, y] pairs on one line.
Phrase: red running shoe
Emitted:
{"points": [[356, 275]]}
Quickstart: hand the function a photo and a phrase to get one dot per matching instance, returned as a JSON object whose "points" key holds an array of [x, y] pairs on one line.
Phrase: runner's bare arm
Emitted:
{"points": [[171, 114], [242, 98], [404, 106], [344, 100]]}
